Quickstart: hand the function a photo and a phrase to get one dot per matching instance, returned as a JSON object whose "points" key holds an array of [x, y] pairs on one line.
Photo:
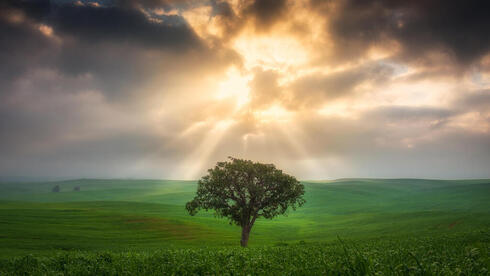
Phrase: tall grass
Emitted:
{"points": [[448, 255]]}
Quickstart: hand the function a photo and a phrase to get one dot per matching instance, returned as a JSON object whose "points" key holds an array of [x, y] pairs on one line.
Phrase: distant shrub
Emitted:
{"points": [[76, 189], [56, 189]]}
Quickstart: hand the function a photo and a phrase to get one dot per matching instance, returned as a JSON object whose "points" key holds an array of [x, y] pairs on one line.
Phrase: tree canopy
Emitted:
{"points": [[243, 190]]}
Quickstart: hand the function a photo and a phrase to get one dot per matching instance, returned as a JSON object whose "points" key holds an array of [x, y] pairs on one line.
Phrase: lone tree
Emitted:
{"points": [[56, 189], [242, 191]]}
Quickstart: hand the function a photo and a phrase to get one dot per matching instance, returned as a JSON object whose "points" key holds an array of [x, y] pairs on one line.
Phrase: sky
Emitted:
{"points": [[322, 89]]}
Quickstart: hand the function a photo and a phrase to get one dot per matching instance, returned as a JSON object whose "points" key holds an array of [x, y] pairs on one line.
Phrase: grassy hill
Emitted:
{"points": [[122, 215]]}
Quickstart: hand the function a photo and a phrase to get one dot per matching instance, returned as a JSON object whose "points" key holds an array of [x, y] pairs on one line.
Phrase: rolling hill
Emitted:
{"points": [[121, 215]]}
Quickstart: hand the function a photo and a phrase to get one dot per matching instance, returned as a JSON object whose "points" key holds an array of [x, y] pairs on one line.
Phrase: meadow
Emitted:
{"points": [[347, 226]]}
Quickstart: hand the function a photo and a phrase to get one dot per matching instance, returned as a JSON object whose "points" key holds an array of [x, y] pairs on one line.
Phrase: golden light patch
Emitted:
{"points": [[46, 30], [223, 124], [343, 109], [271, 52], [386, 50], [275, 113], [202, 22], [161, 11], [235, 85], [94, 4]]}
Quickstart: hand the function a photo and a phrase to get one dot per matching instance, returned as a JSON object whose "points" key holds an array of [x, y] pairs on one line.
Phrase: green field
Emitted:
{"points": [[348, 223]]}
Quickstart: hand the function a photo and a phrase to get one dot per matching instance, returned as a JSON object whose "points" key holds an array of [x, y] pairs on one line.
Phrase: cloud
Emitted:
{"points": [[163, 88], [91, 85], [22, 45], [315, 89], [409, 113], [121, 54], [264, 88], [476, 99], [90, 24], [422, 28], [266, 12]]}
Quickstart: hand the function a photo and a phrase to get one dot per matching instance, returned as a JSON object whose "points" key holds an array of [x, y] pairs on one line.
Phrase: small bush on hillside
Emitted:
{"points": [[56, 189]]}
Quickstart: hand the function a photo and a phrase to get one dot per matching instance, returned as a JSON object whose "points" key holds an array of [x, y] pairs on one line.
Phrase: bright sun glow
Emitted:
{"points": [[275, 113], [271, 52], [290, 59], [223, 125], [234, 86]]}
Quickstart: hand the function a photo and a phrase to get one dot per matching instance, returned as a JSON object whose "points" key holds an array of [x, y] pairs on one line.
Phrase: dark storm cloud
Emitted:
{"points": [[457, 28], [165, 4], [108, 42], [34, 9], [262, 14], [266, 12], [119, 25], [21, 46]]}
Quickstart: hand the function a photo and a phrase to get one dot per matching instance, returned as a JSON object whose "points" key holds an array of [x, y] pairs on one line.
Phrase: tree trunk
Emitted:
{"points": [[245, 235]]}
